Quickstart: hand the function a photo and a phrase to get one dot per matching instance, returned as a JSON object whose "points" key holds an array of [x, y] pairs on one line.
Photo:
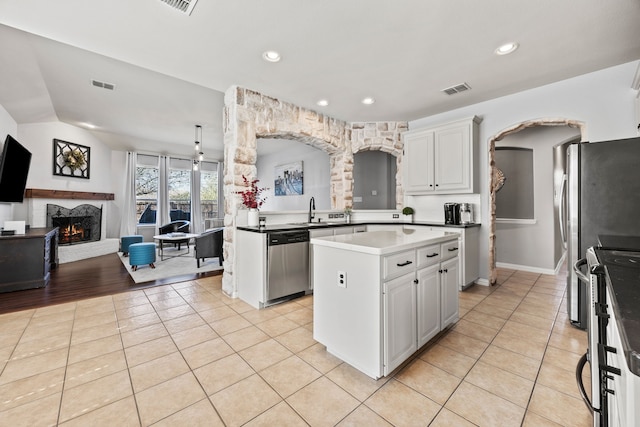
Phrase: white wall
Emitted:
{"points": [[38, 138], [603, 100], [315, 164], [7, 126], [532, 245]]}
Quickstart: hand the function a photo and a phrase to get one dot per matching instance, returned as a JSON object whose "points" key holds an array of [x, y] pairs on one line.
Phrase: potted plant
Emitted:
{"points": [[347, 214], [407, 213], [252, 199]]}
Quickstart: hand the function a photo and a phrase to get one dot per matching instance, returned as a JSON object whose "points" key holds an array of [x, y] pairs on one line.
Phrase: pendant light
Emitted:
{"points": [[198, 147]]}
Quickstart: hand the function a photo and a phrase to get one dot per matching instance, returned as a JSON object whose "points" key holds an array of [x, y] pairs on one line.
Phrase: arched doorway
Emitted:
{"points": [[249, 115], [494, 178]]}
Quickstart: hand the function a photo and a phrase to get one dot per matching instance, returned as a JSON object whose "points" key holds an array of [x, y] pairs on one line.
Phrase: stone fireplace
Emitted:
{"points": [[81, 224]]}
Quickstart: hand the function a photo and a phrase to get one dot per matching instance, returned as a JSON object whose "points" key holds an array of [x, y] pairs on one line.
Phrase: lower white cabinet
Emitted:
{"points": [[449, 272], [428, 303], [399, 321], [373, 308], [418, 305]]}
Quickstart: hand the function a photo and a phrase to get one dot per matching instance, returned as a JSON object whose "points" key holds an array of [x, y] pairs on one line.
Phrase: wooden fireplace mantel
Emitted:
{"points": [[38, 193]]}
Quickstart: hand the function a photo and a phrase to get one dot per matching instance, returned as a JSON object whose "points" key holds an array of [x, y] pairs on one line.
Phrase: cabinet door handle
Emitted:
{"points": [[415, 281], [432, 255], [404, 263], [453, 249], [443, 271]]}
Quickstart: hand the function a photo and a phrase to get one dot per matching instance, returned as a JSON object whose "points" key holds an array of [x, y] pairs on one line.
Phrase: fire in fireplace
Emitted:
{"points": [[78, 225]]}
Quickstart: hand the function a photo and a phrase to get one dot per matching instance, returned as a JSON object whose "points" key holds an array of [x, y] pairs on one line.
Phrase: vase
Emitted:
{"points": [[253, 217], [408, 218]]}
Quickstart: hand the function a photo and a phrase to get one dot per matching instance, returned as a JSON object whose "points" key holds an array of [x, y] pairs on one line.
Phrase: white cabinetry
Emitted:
{"points": [[418, 304], [623, 402], [440, 160], [469, 251], [399, 304]]}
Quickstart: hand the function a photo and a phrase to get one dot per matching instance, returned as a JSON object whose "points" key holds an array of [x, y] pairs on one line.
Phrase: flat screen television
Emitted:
{"points": [[14, 168]]}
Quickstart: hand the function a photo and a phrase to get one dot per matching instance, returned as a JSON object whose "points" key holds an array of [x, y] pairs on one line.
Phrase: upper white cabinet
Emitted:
{"points": [[441, 160]]}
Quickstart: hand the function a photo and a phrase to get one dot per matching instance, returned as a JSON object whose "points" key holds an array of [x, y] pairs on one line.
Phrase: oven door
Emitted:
{"points": [[594, 280]]}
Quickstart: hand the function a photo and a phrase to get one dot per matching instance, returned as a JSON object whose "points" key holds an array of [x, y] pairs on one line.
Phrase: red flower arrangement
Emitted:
{"points": [[251, 197]]}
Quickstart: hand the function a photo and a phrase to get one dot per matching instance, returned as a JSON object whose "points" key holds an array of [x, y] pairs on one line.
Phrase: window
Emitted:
{"points": [[146, 189], [179, 189], [515, 198], [179, 192], [209, 195]]}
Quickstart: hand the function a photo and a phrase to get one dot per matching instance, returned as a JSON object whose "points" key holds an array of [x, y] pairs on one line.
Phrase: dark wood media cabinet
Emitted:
{"points": [[26, 260]]}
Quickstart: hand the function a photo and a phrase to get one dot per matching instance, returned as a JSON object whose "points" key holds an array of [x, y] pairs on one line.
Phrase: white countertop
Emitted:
{"points": [[384, 242]]}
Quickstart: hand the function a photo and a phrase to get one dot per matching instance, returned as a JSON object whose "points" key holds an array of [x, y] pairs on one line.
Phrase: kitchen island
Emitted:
{"points": [[381, 295]]}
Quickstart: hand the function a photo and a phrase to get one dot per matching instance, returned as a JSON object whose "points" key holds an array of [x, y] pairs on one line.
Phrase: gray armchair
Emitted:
{"points": [[209, 245]]}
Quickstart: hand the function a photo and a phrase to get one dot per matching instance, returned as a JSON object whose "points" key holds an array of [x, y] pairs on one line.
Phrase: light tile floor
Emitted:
{"points": [[185, 354]]}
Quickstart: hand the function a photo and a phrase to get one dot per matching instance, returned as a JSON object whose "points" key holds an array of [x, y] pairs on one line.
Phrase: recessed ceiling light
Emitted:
{"points": [[88, 125], [368, 101], [507, 48], [323, 103], [271, 56]]}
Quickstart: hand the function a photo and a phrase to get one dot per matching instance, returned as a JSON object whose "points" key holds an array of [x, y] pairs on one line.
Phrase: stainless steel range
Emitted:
{"points": [[614, 335]]}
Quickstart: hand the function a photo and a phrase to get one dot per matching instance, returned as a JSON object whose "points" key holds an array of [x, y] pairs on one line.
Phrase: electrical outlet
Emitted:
{"points": [[342, 279], [331, 216], [396, 216]]}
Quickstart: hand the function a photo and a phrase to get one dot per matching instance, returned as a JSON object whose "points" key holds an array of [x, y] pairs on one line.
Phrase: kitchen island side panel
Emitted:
{"points": [[251, 267], [348, 320]]}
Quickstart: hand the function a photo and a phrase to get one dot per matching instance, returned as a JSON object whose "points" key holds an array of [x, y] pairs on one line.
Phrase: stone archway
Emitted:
{"points": [[249, 115], [493, 175]]}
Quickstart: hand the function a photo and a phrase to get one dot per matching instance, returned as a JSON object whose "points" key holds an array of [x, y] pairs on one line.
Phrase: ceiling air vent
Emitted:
{"points": [[456, 89], [108, 86], [185, 6]]}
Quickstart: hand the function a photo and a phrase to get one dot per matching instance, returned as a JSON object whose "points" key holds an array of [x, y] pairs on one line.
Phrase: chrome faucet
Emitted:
{"points": [[312, 208]]}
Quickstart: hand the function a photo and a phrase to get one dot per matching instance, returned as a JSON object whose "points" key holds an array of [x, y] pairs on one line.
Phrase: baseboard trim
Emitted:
{"points": [[526, 268]]}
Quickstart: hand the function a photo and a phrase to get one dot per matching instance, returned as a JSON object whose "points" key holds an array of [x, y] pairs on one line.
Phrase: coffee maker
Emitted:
{"points": [[452, 213], [466, 213]]}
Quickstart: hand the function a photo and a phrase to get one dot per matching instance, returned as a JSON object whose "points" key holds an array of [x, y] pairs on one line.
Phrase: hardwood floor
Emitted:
{"points": [[93, 277]]}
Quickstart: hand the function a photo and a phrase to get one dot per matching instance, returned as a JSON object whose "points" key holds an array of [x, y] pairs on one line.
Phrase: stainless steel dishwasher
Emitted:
{"points": [[287, 265]]}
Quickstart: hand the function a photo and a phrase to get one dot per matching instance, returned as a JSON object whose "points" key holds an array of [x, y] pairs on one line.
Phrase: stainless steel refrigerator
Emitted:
{"points": [[603, 198]]}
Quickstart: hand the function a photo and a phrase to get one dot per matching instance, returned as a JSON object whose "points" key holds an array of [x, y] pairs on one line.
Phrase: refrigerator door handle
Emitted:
{"points": [[561, 214]]}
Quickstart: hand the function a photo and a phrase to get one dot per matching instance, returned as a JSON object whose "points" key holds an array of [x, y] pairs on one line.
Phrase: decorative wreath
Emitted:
{"points": [[498, 179], [74, 159]]}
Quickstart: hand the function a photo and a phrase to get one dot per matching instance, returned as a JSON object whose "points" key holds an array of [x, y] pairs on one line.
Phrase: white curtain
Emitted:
{"points": [[162, 215], [196, 209], [128, 218]]}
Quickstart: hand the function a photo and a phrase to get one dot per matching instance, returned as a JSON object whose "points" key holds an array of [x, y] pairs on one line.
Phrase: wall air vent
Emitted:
{"points": [[108, 86], [456, 89], [185, 6]]}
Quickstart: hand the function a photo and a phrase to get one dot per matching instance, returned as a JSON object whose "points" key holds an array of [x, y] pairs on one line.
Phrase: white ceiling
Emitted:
{"points": [[171, 69]]}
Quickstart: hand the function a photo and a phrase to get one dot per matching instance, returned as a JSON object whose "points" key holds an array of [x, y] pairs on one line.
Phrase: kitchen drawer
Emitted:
{"points": [[450, 250], [398, 264], [429, 255]]}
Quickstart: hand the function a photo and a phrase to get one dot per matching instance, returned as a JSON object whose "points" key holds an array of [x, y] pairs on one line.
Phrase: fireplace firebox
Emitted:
{"points": [[81, 224]]}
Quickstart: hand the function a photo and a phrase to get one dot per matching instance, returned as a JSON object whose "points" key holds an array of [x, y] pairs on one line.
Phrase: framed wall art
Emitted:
{"points": [[288, 179], [72, 160]]}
